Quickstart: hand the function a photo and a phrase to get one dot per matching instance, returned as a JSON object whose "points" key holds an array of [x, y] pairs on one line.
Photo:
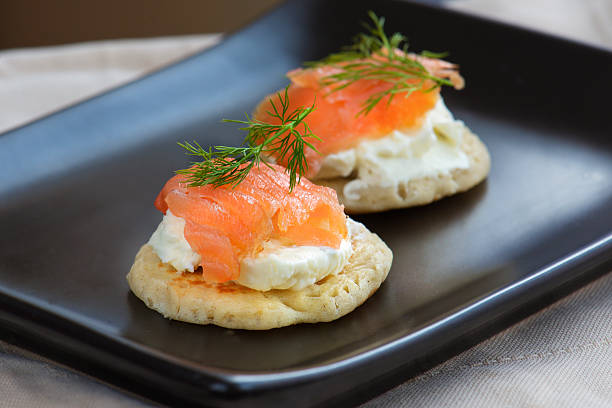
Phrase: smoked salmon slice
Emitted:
{"points": [[225, 224], [338, 118]]}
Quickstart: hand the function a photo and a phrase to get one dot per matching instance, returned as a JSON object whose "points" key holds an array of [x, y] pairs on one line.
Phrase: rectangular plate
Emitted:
{"points": [[76, 192]]}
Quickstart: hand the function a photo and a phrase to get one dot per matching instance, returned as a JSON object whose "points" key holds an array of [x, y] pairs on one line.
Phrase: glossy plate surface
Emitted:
{"points": [[77, 187]]}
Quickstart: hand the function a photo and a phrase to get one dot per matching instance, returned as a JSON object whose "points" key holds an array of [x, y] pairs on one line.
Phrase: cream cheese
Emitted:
{"points": [[403, 155], [295, 267], [275, 267], [170, 244]]}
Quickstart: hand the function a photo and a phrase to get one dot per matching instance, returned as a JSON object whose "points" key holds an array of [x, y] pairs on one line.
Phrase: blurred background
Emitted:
{"points": [[29, 23]]}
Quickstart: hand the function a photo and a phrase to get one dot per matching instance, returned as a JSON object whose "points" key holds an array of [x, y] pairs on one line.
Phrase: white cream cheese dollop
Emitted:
{"points": [[401, 156], [170, 244], [292, 267], [275, 267]]}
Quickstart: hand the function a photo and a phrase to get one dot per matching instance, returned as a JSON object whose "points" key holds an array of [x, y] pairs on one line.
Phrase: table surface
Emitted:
{"points": [[559, 357]]}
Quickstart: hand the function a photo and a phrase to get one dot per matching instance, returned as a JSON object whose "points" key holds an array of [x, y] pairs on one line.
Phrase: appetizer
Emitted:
{"points": [[250, 245], [387, 139]]}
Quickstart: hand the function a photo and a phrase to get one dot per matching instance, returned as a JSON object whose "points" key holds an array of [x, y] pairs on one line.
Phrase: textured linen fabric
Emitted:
{"points": [[560, 357], [27, 380], [588, 21], [37, 81]]}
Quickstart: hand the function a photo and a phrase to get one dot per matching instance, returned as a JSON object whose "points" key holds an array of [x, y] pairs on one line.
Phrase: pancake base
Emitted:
{"points": [[384, 195], [187, 297]]}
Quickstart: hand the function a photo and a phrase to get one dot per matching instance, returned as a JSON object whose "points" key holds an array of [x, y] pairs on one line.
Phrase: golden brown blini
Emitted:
{"points": [[187, 297]]}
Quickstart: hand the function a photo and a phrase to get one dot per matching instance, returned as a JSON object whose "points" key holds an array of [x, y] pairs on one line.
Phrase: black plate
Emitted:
{"points": [[76, 192]]}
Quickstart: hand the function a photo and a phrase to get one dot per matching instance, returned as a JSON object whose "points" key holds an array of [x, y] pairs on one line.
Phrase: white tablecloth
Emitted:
{"points": [[560, 357]]}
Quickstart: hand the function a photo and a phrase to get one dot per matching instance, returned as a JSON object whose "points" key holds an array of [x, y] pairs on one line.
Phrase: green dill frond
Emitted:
{"points": [[373, 56], [225, 165]]}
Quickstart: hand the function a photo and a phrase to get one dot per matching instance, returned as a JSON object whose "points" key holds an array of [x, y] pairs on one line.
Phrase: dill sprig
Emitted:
{"points": [[226, 165], [374, 56]]}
